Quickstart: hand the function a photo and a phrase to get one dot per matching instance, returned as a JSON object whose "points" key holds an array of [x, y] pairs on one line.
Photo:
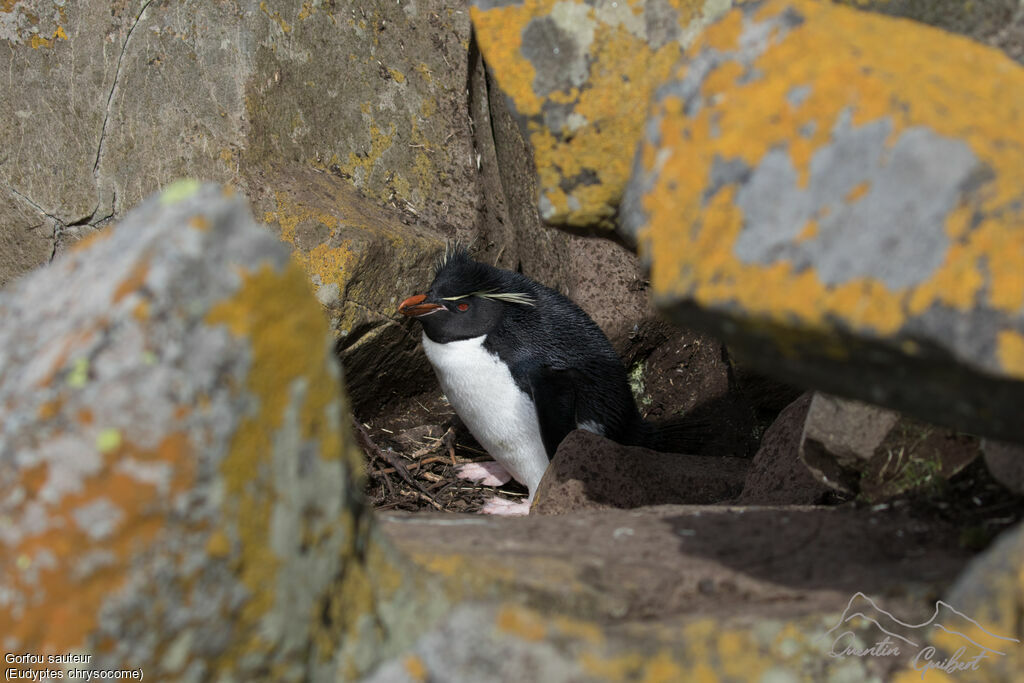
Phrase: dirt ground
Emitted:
{"points": [[414, 445], [413, 449]]}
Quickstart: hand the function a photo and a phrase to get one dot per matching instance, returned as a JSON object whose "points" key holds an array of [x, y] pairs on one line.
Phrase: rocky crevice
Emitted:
{"points": [[106, 110]]}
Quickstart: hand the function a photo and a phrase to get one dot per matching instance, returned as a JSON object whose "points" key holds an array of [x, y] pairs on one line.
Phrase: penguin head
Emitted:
{"points": [[466, 299]]}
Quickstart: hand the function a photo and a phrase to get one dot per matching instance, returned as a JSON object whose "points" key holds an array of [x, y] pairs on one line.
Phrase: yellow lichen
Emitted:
{"points": [[521, 624], [500, 32], [275, 313], [218, 545], [1010, 351], [583, 167], [276, 17], [37, 41], [415, 667], [136, 278], [808, 232]]}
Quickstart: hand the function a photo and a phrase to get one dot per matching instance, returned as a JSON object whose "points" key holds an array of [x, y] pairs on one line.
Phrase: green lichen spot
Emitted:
{"points": [[79, 373], [636, 384], [108, 440], [179, 190]]}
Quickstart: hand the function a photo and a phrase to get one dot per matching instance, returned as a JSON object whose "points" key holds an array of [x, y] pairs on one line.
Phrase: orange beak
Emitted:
{"points": [[415, 306]]}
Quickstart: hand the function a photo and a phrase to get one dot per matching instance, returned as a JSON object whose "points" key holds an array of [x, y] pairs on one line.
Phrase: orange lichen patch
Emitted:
{"points": [[875, 68], [141, 310], [625, 71], [380, 142], [333, 259], [218, 545], [276, 17], [857, 192], [808, 232], [37, 41], [91, 239], [290, 214], [199, 223], [584, 631], [85, 416], [329, 264], [722, 78], [720, 276], [699, 659], [415, 667], [274, 312], [609, 108], [500, 33], [521, 623], [75, 341], [136, 278], [723, 35], [308, 10], [929, 676], [449, 566], [33, 478], [61, 610], [1010, 351], [50, 409]]}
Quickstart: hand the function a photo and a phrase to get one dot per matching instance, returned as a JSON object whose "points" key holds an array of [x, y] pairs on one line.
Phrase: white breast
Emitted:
{"points": [[498, 413]]}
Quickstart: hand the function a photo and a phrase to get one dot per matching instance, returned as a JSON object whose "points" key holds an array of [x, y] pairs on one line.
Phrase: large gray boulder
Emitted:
{"points": [[866, 239], [176, 491]]}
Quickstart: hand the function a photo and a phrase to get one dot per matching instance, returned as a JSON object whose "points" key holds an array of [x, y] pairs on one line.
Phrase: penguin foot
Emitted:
{"points": [[486, 473], [505, 508]]}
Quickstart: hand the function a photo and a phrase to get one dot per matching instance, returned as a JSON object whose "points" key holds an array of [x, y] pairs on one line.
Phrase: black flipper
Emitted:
{"points": [[554, 396]]}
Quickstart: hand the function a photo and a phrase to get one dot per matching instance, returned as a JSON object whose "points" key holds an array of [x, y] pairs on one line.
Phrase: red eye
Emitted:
{"points": [[463, 306]]}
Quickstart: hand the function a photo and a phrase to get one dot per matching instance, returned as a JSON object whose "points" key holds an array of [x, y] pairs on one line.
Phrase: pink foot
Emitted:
{"points": [[506, 508], [486, 473]]}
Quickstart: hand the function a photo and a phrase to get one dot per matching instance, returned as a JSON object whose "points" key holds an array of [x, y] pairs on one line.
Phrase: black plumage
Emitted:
{"points": [[556, 354]]}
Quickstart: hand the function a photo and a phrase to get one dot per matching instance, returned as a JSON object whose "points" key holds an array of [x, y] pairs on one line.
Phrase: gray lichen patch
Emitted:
{"points": [[878, 206], [558, 56]]}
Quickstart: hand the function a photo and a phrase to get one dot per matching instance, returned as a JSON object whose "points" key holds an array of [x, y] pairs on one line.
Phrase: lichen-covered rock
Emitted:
{"points": [[175, 491], [105, 104], [877, 453], [990, 593], [999, 23], [362, 261], [578, 76], [373, 91], [838, 195], [505, 643], [671, 593]]}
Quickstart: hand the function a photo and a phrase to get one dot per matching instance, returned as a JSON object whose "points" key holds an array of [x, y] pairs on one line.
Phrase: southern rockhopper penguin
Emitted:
{"points": [[522, 366]]}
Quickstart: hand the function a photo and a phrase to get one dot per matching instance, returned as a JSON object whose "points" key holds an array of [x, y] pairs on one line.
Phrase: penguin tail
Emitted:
{"points": [[686, 434]]}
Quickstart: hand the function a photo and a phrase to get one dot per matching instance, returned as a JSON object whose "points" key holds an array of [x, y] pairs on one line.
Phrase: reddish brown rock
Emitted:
{"points": [[777, 476], [590, 472]]}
